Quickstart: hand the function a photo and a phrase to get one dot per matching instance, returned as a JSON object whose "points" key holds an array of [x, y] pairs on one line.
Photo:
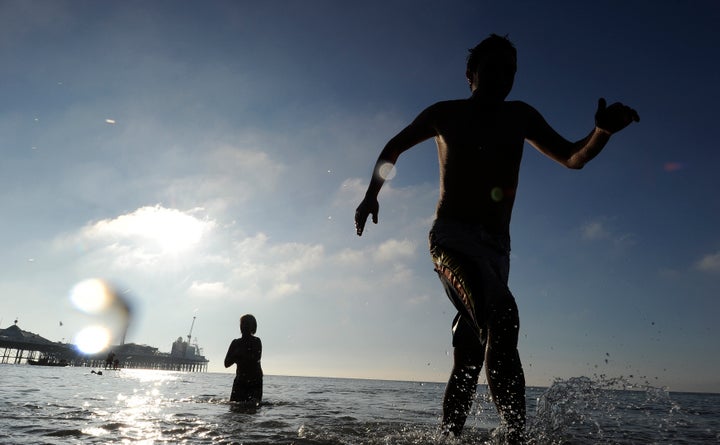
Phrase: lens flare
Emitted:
{"points": [[386, 171], [92, 339], [672, 166], [107, 312], [91, 296], [496, 194]]}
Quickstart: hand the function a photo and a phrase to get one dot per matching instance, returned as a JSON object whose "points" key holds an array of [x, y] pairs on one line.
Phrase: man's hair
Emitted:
{"points": [[490, 44]]}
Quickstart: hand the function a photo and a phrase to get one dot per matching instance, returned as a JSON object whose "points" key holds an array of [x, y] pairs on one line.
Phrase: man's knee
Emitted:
{"points": [[504, 322], [468, 359]]}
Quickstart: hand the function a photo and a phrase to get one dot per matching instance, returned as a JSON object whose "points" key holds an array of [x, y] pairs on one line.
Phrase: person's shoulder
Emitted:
{"points": [[522, 111], [445, 107], [449, 104], [518, 105]]}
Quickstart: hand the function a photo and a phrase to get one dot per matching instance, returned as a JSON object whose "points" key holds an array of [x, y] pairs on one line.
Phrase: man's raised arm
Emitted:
{"points": [[419, 130], [608, 120]]}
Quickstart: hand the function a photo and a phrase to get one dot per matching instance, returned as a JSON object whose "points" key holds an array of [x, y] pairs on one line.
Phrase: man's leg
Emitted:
{"points": [[460, 391], [504, 370], [468, 357]]}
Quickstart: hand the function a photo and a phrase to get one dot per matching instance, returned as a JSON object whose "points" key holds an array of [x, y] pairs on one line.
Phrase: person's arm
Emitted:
{"points": [[229, 359], [608, 120], [421, 129]]}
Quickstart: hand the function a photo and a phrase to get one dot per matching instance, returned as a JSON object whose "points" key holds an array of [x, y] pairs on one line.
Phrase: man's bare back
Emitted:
{"points": [[479, 153]]}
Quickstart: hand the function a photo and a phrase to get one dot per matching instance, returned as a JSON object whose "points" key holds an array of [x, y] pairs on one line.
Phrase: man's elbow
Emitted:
{"points": [[575, 165], [571, 164]]}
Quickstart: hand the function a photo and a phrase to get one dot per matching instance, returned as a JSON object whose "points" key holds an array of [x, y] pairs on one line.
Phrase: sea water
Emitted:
{"points": [[43, 405]]}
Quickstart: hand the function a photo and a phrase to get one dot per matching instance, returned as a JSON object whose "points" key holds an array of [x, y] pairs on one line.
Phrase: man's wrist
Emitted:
{"points": [[603, 131]]}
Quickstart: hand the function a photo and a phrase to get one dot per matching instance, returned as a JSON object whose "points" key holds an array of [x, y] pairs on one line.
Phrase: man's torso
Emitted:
{"points": [[479, 150]]}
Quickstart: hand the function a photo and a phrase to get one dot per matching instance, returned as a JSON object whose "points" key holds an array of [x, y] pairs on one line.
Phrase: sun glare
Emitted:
{"points": [[169, 229], [182, 233], [92, 339], [91, 296]]}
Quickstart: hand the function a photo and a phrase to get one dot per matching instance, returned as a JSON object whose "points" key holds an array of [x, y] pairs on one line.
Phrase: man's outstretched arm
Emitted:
{"points": [[419, 130], [608, 120]]}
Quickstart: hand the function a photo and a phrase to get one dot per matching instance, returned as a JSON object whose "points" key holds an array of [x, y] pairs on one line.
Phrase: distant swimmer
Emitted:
{"points": [[245, 352], [480, 143], [109, 360]]}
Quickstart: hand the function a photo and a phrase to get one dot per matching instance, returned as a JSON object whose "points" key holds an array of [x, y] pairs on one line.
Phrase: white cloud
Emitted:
{"points": [[144, 246], [594, 230], [152, 229], [393, 250], [350, 257], [226, 175], [710, 263], [266, 270], [208, 290], [351, 190], [145, 240], [281, 290], [600, 230]]}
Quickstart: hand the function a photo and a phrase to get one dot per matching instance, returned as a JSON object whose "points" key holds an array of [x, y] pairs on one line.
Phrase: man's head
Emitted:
{"points": [[491, 67]]}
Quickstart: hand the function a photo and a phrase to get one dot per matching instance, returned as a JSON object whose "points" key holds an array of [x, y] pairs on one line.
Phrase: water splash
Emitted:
{"points": [[582, 410]]}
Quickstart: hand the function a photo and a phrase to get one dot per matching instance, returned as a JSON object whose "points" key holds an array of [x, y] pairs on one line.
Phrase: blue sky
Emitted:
{"points": [[207, 157]]}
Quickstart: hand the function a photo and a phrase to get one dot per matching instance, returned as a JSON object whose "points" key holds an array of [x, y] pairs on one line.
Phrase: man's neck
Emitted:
{"points": [[480, 98]]}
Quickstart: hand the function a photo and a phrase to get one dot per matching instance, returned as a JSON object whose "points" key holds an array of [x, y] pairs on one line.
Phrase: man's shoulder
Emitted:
{"points": [[450, 103], [445, 108], [464, 103], [518, 105]]}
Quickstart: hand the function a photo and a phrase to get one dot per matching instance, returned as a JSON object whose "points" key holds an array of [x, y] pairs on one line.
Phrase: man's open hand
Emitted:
{"points": [[367, 207], [615, 117]]}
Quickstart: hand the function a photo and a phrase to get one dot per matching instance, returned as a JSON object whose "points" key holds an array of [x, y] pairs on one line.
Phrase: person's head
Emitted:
{"points": [[491, 67], [248, 325]]}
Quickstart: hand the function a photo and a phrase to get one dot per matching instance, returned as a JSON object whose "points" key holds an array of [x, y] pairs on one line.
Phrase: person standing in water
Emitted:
{"points": [[480, 144], [245, 352]]}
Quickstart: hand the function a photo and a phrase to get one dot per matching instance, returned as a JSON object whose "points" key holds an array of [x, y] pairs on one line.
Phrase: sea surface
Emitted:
{"points": [[43, 405]]}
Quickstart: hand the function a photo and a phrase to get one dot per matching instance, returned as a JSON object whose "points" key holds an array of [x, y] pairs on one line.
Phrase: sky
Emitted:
{"points": [[204, 159]]}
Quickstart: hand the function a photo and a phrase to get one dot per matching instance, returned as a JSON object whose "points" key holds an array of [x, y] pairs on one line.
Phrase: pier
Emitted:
{"points": [[18, 347]]}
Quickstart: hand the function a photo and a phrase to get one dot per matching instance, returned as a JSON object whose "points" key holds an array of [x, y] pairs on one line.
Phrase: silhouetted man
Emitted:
{"points": [[480, 143]]}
